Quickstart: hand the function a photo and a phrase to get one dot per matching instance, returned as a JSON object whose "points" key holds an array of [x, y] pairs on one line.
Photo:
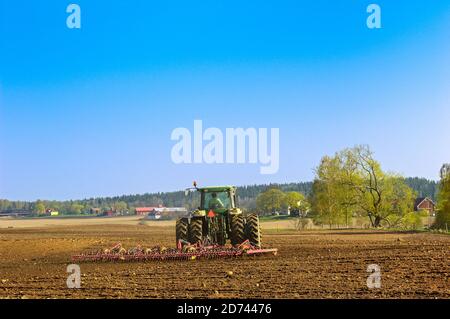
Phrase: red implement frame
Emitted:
{"points": [[183, 252]]}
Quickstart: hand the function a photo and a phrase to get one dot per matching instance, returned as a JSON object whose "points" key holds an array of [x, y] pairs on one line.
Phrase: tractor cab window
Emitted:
{"points": [[216, 200]]}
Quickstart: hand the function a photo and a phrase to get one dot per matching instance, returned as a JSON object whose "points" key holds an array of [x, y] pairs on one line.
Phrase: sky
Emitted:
{"points": [[89, 112]]}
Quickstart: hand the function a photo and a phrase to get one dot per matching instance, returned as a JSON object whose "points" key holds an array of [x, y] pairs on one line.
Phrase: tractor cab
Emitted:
{"points": [[218, 199]]}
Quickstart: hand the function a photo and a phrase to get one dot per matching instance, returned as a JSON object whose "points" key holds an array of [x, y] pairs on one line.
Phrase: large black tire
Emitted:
{"points": [[237, 229], [196, 230], [182, 230], [253, 231]]}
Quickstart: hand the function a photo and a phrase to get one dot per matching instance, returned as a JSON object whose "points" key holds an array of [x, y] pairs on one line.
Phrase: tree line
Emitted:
{"points": [[339, 176]]}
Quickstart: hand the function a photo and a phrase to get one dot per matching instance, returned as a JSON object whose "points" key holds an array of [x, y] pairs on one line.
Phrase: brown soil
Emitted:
{"points": [[310, 264]]}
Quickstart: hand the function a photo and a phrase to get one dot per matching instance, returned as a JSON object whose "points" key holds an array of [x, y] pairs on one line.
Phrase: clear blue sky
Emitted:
{"points": [[89, 112]]}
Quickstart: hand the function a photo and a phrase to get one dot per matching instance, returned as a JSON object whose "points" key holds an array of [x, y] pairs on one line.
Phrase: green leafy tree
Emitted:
{"points": [[326, 205], [270, 201], [296, 201], [120, 206], [76, 209], [39, 207], [352, 183], [443, 204], [292, 199]]}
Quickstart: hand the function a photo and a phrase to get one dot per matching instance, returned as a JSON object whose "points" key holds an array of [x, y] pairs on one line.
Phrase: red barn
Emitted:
{"points": [[108, 213], [144, 211], [425, 203]]}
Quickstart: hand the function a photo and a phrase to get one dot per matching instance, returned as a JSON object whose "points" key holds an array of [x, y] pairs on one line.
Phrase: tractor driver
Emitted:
{"points": [[214, 202]]}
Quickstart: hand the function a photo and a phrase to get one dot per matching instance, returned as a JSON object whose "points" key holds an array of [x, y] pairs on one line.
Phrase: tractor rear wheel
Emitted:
{"points": [[237, 229], [182, 230], [253, 231], [196, 230]]}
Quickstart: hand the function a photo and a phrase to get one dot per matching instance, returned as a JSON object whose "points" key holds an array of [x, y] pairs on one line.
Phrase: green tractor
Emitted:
{"points": [[218, 219]]}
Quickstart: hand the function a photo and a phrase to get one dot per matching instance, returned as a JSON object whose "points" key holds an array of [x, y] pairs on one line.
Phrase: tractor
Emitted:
{"points": [[218, 219]]}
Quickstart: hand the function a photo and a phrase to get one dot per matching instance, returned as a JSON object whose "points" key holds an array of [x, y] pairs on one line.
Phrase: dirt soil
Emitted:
{"points": [[310, 264]]}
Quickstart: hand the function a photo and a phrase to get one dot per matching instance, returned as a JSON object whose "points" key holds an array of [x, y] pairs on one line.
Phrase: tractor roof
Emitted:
{"points": [[217, 188]]}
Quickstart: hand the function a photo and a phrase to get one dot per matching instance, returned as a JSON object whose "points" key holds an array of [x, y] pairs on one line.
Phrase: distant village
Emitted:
{"points": [[168, 213], [152, 213]]}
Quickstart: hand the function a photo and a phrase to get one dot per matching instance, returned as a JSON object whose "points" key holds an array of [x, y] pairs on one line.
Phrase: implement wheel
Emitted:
{"points": [[196, 231], [182, 230], [253, 231], [237, 229]]}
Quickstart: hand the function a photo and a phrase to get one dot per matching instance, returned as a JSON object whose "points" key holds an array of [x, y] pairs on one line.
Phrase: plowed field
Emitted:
{"points": [[310, 264]]}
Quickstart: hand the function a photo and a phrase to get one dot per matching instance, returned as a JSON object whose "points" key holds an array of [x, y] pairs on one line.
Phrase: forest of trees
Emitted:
{"points": [[247, 198]]}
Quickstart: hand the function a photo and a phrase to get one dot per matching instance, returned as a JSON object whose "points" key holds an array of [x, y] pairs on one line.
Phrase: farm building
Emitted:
{"points": [[154, 215], [108, 213], [95, 211], [144, 211], [167, 213], [425, 203], [51, 212]]}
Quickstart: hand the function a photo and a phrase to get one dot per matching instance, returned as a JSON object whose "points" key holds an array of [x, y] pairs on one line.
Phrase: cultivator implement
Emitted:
{"points": [[184, 251]]}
